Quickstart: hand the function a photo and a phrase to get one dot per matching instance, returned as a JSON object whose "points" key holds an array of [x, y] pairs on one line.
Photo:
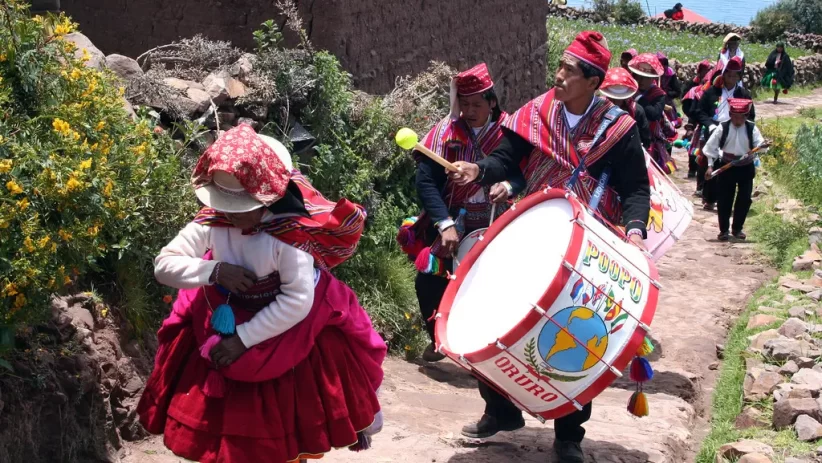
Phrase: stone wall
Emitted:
{"points": [[807, 41], [710, 29], [375, 40]]}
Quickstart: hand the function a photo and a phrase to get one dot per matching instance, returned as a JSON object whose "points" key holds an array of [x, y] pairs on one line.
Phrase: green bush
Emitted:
{"points": [[82, 186], [622, 11], [772, 22], [802, 16]]}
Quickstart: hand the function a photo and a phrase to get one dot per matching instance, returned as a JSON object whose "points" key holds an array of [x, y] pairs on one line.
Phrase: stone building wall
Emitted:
{"points": [[375, 40]]}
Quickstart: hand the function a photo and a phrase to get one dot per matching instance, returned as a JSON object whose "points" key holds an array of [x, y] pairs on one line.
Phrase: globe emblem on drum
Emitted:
{"points": [[563, 349]]}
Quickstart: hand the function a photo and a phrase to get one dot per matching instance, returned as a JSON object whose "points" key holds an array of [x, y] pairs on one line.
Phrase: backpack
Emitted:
{"points": [[749, 127]]}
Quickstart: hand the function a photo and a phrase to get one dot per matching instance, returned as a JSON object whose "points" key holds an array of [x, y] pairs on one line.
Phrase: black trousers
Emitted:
{"points": [[734, 188], [430, 289], [710, 190], [692, 165], [568, 428]]}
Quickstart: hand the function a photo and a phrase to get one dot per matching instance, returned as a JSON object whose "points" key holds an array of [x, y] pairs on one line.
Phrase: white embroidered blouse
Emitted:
{"points": [[180, 265]]}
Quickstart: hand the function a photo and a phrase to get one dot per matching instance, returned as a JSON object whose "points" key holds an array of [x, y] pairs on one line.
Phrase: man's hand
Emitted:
{"points": [[636, 238], [465, 174], [227, 351], [499, 193], [709, 172], [233, 277], [450, 240]]}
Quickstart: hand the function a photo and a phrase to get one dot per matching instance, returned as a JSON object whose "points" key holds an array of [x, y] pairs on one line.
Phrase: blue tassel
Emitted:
{"points": [[641, 370], [222, 320]]}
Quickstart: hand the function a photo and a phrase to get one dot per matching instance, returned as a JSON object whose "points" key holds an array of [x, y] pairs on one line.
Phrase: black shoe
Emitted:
{"points": [[487, 426], [698, 193], [740, 235], [431, 355], [691, 174], [569, 452], [708, 206], [723, 236]]}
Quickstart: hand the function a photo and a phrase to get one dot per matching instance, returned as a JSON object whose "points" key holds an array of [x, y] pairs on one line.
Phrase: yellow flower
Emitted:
{"points": [[5, 166], [19, 301], [61, 126], [100, 125], [10, 289], [73, 184], [84, 165], [93, 231], [62, 30], [23, 204], [43, 242], [13, 187], [4, 224], [407, 316], [2, 57], [64, 235], [66, 280], [108, 188], [76, 74], [86, 56], [28, 244], [407, 348]]}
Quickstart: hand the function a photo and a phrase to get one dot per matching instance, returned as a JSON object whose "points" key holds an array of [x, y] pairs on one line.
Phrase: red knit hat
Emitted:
{"points": [[473, 81], [734, 65], [740, 105], [618, 84], [704, 66], [592, 48]]}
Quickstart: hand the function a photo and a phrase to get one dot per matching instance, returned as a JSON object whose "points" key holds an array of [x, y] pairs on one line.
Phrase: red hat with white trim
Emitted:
{"points": [[646, 65], [618, 84], [740, 105], [475, 80], [592, 48]]}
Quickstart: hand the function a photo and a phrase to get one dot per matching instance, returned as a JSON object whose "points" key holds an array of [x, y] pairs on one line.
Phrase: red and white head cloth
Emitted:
{"points": [[243, 154], [740, 105], [592, 48], [646, 65], [475, 80], [618, 84]]}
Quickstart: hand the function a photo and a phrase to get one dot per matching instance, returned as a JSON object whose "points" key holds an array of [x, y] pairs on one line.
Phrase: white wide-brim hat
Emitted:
{"points": [[618, 92], [225, 193]]}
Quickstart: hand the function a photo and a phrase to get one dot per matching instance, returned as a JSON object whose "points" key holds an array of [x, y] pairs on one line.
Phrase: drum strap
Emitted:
{"points": [[612, 115]]}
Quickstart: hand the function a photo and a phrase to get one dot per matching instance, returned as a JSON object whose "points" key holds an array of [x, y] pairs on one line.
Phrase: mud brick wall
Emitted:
{"points": [[375, 40]]}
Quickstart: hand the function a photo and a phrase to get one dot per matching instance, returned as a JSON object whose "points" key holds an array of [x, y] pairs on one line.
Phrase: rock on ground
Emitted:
{"points": [[786, 411], [125, 67], [807, 429], [82, 42]]}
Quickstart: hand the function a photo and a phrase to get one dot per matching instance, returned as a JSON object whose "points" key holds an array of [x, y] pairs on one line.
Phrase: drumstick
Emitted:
{"points": [[731, 164], [408, 140], [493, 211]]}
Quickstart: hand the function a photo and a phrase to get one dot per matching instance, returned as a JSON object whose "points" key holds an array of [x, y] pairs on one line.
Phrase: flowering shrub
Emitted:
{"points": [[79, 180]]}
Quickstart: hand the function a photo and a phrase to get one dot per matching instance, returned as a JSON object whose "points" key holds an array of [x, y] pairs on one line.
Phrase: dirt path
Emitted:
{"points": [[786, 106], [705, 284]]}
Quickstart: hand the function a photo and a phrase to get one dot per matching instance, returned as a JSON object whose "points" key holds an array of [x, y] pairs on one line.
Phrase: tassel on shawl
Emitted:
{"points": [[222, 320]]}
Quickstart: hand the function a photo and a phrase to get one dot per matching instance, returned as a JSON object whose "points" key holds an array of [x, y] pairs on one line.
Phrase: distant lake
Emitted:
{"points": [[725, 11]]}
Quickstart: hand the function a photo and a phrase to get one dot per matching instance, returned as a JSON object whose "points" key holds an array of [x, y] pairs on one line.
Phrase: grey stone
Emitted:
{"points": [[248, 121], [790, 367], [785, 411], [216, 85], [810, 378], [785, 349], [807, 428], [243, 66], [762, 385], [798, 312], [805, 362], [200, 98], [815, 295], [755, 458], [743, 447], [125, 67], [761, 320], [97, 58], [793, 327], [182, 85], [815, 235], [758, 340], [750, 418], [80, 317]]}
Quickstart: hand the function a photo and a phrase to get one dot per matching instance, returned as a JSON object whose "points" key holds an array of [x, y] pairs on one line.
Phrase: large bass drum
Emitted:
{"points": [[563, 319]]}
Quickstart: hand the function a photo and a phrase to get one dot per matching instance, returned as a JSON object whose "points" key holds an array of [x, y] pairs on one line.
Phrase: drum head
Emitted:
{"points": [[466, 244], [494, 296]]}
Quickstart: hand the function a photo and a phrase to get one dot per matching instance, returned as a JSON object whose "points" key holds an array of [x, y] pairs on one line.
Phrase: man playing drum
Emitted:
{"points": [[554, 133]]}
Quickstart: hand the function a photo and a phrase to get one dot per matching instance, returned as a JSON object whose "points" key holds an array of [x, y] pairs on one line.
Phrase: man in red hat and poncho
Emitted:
{"points": [[555, 134]]}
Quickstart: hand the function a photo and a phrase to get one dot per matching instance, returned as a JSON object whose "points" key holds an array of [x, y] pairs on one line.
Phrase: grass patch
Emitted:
{"points": [[682, 46], [788, 126], [766, 96], [727, 399], [778, 239]]}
